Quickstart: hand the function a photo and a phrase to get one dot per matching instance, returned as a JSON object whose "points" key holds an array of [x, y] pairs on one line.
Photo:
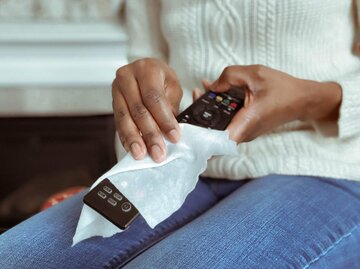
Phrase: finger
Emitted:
{"points": [[196, 94], [244, 123], [232, 76], [220, 85], [173, 94], [144, 121], [152, 90], [128, 132], [242, 127]]}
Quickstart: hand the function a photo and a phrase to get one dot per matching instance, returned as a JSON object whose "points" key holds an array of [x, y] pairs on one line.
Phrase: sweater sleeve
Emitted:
{"points": [[144, 30], [348, 124], [349, 120]]}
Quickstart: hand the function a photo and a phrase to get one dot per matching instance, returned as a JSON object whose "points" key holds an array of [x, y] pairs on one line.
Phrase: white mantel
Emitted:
{"points": [[58, 67]]}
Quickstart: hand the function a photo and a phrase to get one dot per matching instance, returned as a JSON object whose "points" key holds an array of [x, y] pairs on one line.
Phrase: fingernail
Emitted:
{"points": [[157, 154], [174, 135], [136, 151]]}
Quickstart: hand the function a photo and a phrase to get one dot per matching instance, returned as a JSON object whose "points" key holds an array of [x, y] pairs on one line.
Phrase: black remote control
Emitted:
{"points": [[214, 110], [109, 202]]}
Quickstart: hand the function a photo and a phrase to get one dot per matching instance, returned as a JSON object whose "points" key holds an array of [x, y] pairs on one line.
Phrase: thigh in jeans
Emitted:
{"points": [[271, 222], [44, 241]]}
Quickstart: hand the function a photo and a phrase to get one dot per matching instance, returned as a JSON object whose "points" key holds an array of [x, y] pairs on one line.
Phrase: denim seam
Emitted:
{"points": [[332, 246]]}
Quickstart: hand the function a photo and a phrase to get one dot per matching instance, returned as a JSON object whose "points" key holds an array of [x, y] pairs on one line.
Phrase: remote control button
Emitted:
{"points": [[226, 102], [101, 194], [107, 189], [219, 98], [117, 196], [112, 202], [212, 95], [126, 207], [233, 105], [205, 101], [207, 115]]}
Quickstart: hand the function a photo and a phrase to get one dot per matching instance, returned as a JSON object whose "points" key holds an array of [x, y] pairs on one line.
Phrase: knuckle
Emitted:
{"points": [[173, 85], [258, 67], [138, 111], [152, 97], [119, 114], [227, 72], [173, 93], [257, 77], [122, 72], [259, 70], [166, 124], [150, 136], [143, 63], [114, 87]]}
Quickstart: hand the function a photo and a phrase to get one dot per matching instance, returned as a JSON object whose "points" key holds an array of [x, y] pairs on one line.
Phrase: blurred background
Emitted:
{"points": [[57, 62]]}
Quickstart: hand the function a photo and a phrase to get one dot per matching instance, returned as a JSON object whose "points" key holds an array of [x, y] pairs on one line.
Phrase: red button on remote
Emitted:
{"points": [[233, 105]]}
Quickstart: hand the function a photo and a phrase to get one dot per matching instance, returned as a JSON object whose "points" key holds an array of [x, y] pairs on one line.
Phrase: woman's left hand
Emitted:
{"points": [[273, 98]]}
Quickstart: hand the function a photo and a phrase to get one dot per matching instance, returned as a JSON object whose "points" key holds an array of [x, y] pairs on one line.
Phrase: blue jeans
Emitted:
{"points": [[270, 222]]}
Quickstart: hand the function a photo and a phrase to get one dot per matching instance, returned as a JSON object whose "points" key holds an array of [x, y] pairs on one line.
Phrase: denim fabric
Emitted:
{"points": [[271, 222], [44, 240]]}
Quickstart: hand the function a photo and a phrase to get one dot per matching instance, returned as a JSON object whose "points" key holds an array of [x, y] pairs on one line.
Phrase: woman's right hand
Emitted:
{"points": [[146, 96]]}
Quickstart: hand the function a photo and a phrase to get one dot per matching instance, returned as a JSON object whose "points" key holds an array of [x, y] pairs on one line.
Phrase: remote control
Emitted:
{"points": [[109, 202], [214, 110]]}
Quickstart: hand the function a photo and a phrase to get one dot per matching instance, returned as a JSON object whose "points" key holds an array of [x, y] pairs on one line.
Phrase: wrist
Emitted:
{"points": [[321, 101]]}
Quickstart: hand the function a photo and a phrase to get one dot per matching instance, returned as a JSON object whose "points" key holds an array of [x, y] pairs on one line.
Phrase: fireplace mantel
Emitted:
{"points": [[58, 68]]}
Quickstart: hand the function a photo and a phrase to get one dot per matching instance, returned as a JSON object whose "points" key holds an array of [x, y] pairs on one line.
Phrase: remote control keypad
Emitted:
{"points": [[109, 202], [214, 110]]}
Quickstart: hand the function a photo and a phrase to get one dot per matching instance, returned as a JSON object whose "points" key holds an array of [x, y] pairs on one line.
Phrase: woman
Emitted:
{"points": [[294, 198]]}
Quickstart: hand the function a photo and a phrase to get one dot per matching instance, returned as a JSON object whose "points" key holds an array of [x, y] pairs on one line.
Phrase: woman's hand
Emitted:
{"points": [[273, 98], [146, 96]]}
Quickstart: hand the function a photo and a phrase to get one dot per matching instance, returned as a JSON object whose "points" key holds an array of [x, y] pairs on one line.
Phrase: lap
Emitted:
{"points": [[44, 241], [277, 220], [271, 222]]}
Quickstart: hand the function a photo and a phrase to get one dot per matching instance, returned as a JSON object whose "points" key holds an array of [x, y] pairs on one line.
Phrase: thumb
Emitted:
{"points": [[241, 126], [220, 86], [232, 76]]}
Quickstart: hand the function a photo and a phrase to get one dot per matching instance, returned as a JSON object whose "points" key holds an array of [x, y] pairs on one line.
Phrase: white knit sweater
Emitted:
{"points": [[307, 39]]}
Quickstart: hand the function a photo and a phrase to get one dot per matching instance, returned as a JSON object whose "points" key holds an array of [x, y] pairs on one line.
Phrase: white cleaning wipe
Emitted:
{"points": [[158, 190]]}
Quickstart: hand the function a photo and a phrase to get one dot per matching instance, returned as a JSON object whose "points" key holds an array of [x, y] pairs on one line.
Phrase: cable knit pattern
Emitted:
{"points": [[308, 39]]}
